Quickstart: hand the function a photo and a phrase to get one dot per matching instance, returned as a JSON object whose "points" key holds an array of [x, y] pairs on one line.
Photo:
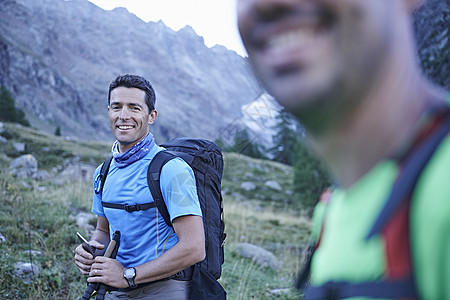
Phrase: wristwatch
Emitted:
{"points": [[129, 274]]}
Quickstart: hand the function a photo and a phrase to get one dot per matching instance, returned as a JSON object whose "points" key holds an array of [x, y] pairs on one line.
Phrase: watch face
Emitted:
{"points": [[129, 273]]}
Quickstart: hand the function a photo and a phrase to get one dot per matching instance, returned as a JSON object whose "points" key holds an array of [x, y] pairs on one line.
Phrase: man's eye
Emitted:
{"points": [[136, 108]]}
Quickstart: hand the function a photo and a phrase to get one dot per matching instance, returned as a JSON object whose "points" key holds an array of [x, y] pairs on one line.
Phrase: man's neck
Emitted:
{"points": [[381, 124]]}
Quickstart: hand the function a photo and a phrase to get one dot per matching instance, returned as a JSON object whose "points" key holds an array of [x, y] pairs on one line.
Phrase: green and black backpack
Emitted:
{"points": [[392, 223]]}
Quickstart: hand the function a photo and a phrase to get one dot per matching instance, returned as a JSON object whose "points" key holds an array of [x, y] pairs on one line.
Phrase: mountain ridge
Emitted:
{"points": [[58, 57]]}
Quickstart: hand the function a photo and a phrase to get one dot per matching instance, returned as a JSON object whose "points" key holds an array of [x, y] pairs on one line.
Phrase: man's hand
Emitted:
{"points": [[84, 259], [107, 271]]}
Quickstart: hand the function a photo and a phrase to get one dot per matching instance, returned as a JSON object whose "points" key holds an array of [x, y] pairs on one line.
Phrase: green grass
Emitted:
{"points": [[37, 216], [39, 220], [281, 233], [51, 150], [239, 168]]}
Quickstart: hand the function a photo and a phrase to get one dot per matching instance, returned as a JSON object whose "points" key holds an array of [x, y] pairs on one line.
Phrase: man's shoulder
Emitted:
{"points": [[432, 190], [430, 213], [437, 171], [175, 166], [430, 209]]}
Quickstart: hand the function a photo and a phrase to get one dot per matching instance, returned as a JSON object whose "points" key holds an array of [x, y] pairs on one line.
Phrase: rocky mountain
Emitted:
{"points": [[432, 26], [57, 58]]}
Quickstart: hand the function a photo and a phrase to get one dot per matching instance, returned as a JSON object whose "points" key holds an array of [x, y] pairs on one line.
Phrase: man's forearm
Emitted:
{"points": [[101, 236], [101, 233], [189, 250], [171, 262]]}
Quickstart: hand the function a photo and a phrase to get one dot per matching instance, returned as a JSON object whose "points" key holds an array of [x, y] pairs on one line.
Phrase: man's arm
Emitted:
{"points": [[189, 250], [101, 234], [99, 239]]}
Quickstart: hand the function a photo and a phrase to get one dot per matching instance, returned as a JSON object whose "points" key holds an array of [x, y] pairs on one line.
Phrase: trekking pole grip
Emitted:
{"points": [[110, 249]]}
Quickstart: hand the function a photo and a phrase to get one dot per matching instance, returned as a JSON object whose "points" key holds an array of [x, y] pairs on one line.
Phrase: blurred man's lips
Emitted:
{"points": [[289, 41], [292, 40], [288, 49], [125, 127], [293, 45]]}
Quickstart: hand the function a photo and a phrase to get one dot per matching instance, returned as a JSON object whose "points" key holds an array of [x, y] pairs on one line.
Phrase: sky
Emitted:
{"points": [[214, 20]]}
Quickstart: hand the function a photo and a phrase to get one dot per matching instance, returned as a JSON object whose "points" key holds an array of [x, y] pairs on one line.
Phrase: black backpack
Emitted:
{"points": [[205, 159]]}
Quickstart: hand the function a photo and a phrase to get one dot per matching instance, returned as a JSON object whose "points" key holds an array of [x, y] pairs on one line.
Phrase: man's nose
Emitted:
{"points": [[124, 113], [269, 10]]}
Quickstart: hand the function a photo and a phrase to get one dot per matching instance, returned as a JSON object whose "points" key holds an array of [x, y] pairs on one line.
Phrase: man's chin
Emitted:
{"points": [[300, 92], [123, 142], [293, 101]]}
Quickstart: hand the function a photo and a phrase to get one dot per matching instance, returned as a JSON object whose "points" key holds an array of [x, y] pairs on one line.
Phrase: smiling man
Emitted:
{"points": [[347, 70], [150, 252], [129, 116]]}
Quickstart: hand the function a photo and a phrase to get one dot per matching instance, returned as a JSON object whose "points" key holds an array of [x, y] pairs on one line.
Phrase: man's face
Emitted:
{"points": [[129, 116], [311, 53]]}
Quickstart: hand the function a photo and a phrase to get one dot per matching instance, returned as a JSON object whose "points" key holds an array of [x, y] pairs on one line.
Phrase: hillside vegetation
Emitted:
{"points": [[40, 216]]}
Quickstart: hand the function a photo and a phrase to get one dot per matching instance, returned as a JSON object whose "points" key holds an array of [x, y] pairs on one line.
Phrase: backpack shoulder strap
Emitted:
{"points": [[153, 180], [102, 176], [409, 174]]}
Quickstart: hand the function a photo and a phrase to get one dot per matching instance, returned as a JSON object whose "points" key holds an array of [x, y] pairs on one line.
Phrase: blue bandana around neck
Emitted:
{"points": [[138, 151]]}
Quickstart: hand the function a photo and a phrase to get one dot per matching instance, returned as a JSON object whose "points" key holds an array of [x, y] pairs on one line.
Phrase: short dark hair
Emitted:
{"points": [[135, 81]]}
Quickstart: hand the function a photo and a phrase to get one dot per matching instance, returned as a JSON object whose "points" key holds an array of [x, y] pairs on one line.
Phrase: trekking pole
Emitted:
{"points": [[111, 252]]}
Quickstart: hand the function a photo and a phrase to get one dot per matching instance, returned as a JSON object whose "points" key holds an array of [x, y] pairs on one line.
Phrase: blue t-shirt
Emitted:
{"points": [[144, 234]]}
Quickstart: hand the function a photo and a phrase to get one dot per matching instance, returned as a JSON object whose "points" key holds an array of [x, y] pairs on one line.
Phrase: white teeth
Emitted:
{"points": [[125, 127], [291, 39]]}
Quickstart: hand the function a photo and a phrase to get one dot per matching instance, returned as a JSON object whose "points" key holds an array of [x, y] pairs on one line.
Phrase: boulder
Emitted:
{"points": [[259, 255], [273, 185], [20, 147], [27, 271], [25, 166], [248, 186]]}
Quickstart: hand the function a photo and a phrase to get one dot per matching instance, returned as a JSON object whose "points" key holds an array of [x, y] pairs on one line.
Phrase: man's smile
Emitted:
{"points": [[287, 43], [125, 127]]}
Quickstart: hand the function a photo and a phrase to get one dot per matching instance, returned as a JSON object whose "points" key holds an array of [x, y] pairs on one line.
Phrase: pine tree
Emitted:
{"points": [[8, 111], [288, 133], [310, 175], [290, 147], [58, 131], [243, 144]]}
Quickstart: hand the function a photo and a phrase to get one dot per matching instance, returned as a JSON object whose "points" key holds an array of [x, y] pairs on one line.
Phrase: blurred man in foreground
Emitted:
{"points": [[347, 70]]}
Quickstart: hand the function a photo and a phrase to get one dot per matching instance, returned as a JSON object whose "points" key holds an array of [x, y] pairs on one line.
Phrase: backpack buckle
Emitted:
{"points": [[131, 208]]}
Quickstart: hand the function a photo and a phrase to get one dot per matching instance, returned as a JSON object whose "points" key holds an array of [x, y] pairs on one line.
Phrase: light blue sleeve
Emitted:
{"points": [[97, 207], [179, 189]]}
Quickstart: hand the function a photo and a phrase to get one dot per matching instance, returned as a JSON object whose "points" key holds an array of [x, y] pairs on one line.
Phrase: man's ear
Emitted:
{"points": [[152, 116]]}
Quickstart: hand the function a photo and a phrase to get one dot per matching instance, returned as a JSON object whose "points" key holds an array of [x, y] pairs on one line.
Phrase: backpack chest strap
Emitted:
{"points": [[389, 289], [129, 208]]}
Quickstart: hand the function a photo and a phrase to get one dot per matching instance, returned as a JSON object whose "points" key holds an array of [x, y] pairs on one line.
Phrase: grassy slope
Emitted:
{"points": [[36, 215]]}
